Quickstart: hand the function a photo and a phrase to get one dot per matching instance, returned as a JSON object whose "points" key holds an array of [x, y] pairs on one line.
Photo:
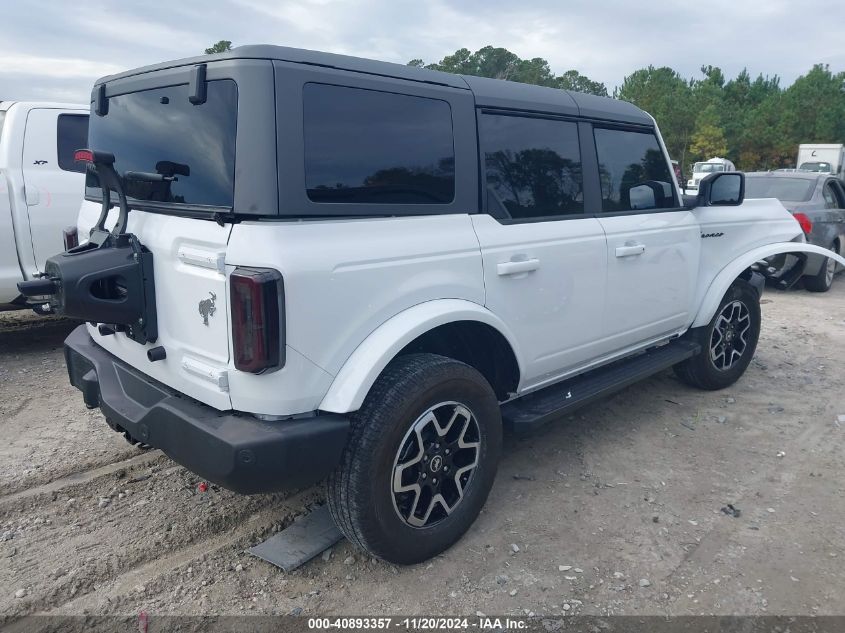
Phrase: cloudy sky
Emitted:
{"points": [[53, 49]]}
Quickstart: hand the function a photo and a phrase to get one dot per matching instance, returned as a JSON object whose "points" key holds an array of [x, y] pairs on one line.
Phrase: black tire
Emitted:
{"points": [[706, 372], [822, 280], [361, 489]]}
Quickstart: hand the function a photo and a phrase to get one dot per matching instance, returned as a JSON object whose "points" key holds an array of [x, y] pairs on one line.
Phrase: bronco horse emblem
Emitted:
{"points": [[207, 308]]}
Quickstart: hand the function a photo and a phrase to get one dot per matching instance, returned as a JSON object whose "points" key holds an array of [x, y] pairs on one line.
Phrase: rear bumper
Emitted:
{"points": [[238, 452]]}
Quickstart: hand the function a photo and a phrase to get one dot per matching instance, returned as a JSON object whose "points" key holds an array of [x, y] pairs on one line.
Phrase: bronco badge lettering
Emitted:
{"points": [[207, 308]]}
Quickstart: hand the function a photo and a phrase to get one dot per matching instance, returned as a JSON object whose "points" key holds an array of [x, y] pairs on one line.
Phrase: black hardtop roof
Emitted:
{"points": [[493, 93], [497, 93]]}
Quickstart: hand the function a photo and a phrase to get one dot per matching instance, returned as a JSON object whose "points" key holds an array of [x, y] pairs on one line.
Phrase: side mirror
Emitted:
{"points": [[725, 188]]}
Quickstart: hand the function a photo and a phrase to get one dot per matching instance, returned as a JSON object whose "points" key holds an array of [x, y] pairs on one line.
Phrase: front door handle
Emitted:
{"points": [[515, 268], [630, 250]]}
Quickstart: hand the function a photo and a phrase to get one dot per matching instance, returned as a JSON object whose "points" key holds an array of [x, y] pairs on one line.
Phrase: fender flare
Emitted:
{"points": [[720, 284], [354, 380]]}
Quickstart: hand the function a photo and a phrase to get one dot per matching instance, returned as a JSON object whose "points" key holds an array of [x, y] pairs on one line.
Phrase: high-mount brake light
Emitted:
{"points": [[258, 319], [805, 222], [83, 156]]}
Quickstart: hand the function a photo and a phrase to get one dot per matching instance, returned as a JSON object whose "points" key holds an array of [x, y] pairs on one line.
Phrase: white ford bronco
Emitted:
{"points": [[297, 266]]}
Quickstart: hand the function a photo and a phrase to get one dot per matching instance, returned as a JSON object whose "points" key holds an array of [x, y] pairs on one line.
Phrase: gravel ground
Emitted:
{"points": [[616, 510]]}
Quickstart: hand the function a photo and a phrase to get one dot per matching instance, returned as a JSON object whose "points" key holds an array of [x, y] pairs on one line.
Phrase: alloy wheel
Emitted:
{"points": [[729, 339], [435, 464]]}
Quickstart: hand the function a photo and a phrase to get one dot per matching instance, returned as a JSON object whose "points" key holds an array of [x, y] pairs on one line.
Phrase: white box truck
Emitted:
{"points": [[823, 157]]}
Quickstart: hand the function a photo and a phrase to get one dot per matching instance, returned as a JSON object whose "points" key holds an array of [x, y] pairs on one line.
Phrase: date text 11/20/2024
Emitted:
{"points": [[482, 623]]}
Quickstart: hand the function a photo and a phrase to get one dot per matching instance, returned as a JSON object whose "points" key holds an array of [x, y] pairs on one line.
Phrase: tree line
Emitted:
{"points": [[755, 122]]}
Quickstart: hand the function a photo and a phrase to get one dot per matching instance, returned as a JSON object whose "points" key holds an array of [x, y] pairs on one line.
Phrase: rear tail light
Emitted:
{"points": [[258, 319], [805, 222], [70, 235]]}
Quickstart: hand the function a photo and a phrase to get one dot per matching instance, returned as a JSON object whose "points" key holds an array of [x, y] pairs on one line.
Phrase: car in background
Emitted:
{"points": [[679, 177], [818, 166], [817, 200]]}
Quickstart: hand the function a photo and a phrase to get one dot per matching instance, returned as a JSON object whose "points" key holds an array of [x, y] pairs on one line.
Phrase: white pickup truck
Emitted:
{"points": [[41, 187], [324, 267]]}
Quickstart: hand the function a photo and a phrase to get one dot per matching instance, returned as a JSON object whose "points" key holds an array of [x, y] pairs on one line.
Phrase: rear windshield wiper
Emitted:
{"points": [[166, 171], [147, 176]]}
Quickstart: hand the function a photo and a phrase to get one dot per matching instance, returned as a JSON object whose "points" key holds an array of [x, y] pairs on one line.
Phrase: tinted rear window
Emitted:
{"points": [[159, 131], [633, 171], [372, 147], [71, 135], [784, 189]]}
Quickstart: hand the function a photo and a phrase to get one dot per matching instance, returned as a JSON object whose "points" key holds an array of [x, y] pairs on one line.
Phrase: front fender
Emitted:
{"points": [[359, 372], [729, 273]]}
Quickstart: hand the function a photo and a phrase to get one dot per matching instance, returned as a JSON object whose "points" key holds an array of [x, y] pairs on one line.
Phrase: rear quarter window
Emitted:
{"points": [[71, 135], [372, 147]]}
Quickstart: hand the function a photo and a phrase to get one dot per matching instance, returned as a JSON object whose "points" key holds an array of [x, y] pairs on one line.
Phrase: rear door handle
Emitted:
{"points": [[630, 250], [515, 268]]}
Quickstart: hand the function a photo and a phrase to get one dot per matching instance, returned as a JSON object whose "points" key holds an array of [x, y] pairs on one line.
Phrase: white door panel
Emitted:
{"points": [[544, 280], [53, 195], [652, 264], [10, 271]]}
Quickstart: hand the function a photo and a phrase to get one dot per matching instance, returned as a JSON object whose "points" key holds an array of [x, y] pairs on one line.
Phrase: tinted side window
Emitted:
{"points": [[532, 166], [372, 147], [633, 171], [71, 135], [840, 191], [830, 201]]}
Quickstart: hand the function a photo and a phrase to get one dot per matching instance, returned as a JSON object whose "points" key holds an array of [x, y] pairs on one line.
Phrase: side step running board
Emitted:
{"points": [[535, 409]]}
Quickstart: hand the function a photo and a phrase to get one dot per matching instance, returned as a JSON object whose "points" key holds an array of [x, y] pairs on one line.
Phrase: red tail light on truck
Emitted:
{"points": [[258, 319]]}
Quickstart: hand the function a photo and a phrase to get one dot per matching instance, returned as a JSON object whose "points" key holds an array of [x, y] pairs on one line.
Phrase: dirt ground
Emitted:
{"points": [[616, 510]]}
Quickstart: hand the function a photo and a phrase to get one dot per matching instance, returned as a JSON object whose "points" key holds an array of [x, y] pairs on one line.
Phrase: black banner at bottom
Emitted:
{"points": [[145, 623]]}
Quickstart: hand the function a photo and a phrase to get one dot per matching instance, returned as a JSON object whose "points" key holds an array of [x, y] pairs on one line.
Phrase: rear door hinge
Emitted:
{"points": [[214, 260], [218, 377]]}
